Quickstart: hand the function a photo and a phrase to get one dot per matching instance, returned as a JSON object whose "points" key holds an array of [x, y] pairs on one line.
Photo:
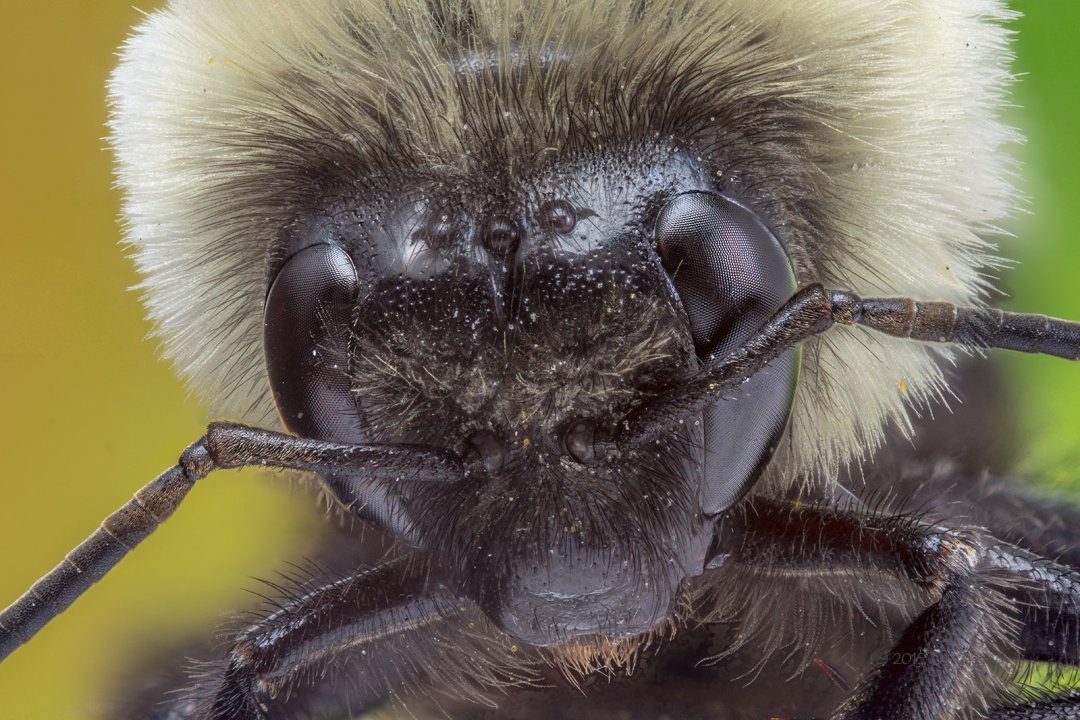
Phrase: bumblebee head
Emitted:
{"points": [[869, 152]]}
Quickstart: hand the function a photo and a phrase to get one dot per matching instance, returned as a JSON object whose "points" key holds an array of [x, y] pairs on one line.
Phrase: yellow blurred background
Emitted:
{"points": [[89, 413]]}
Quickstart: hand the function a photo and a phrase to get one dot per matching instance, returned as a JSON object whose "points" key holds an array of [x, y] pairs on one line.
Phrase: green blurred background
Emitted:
{"points": [[89, 413]]}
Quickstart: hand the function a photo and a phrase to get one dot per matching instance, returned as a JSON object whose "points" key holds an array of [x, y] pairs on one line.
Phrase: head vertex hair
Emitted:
{"points": [[867, 135]]}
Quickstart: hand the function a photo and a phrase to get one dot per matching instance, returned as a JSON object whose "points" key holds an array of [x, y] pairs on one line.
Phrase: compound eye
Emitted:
{"points": [[729, 270], [307, 319], [731, 275]]}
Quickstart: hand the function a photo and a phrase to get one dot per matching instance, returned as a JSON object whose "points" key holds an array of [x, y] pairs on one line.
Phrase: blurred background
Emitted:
{"points": [[89, 413]]}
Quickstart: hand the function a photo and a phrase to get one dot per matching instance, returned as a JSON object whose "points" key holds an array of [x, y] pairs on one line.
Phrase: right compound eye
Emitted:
{"points": [[730, 271], [731, 275]]}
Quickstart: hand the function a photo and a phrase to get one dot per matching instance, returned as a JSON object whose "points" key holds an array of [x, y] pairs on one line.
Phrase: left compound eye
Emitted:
{"points": [[731, 274], [307, 319]]}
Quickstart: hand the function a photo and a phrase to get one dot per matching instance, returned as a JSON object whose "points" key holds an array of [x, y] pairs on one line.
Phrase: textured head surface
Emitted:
{"points": [[870, 144]]}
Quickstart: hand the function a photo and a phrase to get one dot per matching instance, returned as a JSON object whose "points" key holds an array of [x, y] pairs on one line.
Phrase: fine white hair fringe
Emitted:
{"points": [[871, 128]]}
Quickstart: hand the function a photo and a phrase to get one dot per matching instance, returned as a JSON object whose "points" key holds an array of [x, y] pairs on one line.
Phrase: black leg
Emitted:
{"points": [[990, 599], [1048, 528], [937, 485], [1045, 599], [939, 662], [1064, 707], [1044, 593], [379, 633]]}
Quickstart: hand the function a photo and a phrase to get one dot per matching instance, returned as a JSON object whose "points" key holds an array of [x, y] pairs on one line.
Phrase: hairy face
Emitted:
{"points": [[866, 147], [489, 210], [514, 304], [516, 319]]}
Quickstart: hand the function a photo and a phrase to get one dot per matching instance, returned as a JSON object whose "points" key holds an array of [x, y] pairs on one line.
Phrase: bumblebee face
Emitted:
{"points": [[827, 125], [383, 205], [84, 374], [535, 314]]}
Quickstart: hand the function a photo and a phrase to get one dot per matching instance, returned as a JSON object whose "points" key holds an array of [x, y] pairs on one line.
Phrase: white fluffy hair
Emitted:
{"points": [[870, 131]]}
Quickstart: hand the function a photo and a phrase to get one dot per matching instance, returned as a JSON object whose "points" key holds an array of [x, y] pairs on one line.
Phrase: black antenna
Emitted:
{"points": [[810, 311], [949, 323], [814, 309], [225, 445]]}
